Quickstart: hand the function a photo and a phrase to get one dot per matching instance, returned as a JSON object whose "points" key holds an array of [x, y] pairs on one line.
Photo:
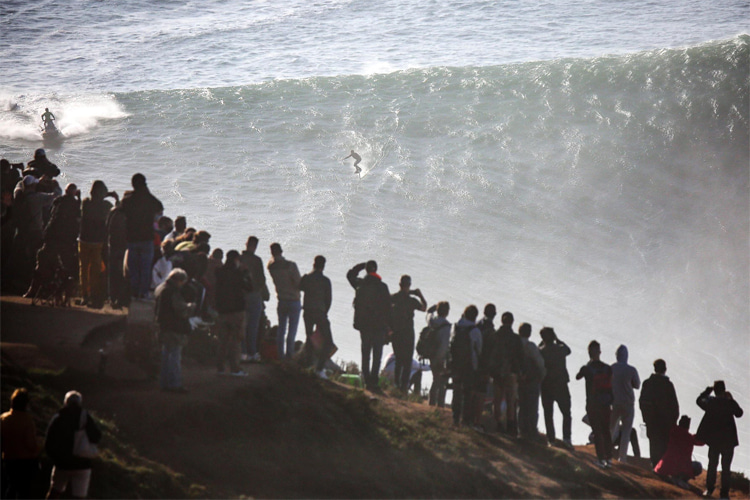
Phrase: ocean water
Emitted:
{"points": [[584, 165]]}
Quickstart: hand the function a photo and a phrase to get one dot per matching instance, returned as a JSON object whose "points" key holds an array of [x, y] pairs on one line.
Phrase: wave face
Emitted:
{"points": [[605, 197], [112, 46]]}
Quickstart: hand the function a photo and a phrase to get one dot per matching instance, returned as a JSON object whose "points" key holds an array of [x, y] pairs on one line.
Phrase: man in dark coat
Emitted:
{"points": [[555, 384], [232, 283], [317, 302], [59, 447], [40, 166], [719, 431], [505, 368], [372, 317], [141, 209], [404, 304], [659, 409]]}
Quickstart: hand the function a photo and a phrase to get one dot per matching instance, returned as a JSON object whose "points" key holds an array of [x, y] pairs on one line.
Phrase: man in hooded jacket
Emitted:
{"points": [[624, 380]]}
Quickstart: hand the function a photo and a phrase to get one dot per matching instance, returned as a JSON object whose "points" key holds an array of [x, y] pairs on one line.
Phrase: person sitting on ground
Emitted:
{"points": [[465, 350], [677, 462], [719, 431], [58, 444], [437, 319], [599, 399], [19, 445], [232, 282], [415, 375]]}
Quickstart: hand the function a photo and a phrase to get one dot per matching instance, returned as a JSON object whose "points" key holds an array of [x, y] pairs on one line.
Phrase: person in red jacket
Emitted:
{"points": [[677, 462]]}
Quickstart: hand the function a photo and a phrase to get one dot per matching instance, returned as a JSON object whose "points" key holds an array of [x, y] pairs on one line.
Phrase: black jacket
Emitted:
{"points": [[59, 441], [507, 356], [42, 166], [232, 284], [372, 301], [659, 406], [140, 208], [317, 289], [171, 309], [717, 428]]}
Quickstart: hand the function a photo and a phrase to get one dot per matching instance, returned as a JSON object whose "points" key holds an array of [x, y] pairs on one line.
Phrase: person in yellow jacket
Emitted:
{"points": [[20, 447]]}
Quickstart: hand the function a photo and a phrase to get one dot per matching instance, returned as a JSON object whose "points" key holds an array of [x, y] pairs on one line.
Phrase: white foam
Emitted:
{"points": [[20, 116]]}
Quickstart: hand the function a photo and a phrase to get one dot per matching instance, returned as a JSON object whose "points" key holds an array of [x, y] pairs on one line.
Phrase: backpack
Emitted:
{"points": [[461, 350], [427, 345]]}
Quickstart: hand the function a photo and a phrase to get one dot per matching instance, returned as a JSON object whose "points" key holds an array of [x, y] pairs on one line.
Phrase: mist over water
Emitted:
{"points": [[605, 196]]}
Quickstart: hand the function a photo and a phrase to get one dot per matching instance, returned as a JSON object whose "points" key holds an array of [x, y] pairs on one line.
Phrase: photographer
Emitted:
{"points": [[555, 384], [404, 304], [719, 431], [94, 212]]}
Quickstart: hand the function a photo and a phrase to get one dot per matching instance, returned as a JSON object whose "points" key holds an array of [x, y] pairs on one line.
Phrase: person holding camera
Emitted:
{"points": [[719, 431], [94, 212], [404, 303]]}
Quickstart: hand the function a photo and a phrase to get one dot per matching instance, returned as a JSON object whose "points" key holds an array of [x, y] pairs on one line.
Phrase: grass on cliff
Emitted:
{"points": [[119, 472]]}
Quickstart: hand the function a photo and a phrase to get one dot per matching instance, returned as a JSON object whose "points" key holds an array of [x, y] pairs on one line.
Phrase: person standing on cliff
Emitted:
{"points": [[254, 299], [286, 278], [529, 385], [20, 448], [505, 368], [372, 317], [719, 431], [404, 303], [141, 209], [555, 384], [437, 319], [624, 380], [232, 282], [318, 299], [68, 468], [172, 313], [659, 409], [599, 399]]}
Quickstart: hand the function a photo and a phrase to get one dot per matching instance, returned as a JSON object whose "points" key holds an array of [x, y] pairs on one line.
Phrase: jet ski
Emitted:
{"points": [[51, 134]]}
